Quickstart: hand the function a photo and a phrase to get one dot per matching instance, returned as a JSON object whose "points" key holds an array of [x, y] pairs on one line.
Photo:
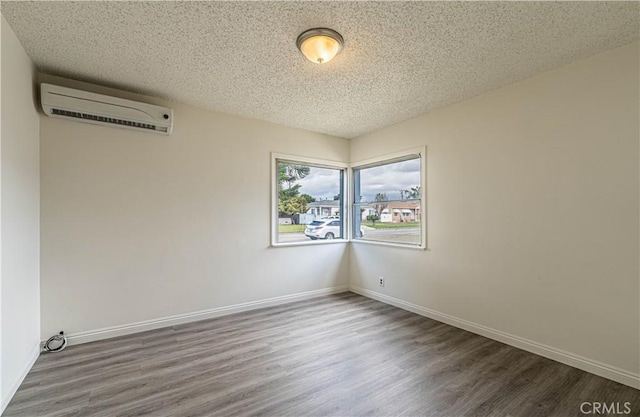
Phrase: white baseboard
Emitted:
{"points": [[33, 356], [142, 326], [598, 368]]}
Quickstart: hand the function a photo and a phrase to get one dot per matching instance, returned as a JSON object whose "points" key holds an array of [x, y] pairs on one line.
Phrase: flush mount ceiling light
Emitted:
{"points": [[320, 45]]}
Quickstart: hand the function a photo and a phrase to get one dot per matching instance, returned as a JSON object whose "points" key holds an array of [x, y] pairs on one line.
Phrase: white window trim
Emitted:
{"points": [[389, 158], [321, 163]]}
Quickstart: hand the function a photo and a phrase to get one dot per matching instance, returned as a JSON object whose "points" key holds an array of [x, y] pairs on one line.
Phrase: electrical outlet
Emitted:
{"points": [[381, 281]]}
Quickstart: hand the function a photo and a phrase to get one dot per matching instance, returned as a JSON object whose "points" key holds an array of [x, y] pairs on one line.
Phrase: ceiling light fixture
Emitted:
{"points": [[320, 45]]}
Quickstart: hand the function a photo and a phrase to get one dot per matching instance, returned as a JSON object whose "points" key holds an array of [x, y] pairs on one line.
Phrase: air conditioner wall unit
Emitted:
{"points": [[83, 106]]}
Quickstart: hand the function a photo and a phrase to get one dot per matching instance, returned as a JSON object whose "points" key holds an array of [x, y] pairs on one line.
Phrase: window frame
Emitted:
{"points": [[313, 162], [384, 160]]}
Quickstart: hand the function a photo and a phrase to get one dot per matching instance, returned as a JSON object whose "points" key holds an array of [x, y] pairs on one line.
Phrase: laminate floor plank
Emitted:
{"points": [[339, 355]]}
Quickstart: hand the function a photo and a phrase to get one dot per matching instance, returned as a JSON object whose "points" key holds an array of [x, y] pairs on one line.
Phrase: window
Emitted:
{"points": [[388, 200], [308, 200]]}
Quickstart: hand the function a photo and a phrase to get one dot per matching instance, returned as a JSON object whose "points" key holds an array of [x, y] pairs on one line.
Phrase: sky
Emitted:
{"points": [[324, 183], [321, 183]]}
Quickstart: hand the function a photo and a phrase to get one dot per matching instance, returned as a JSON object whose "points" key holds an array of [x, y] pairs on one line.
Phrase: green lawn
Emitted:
{"points": [[291, 228], [380, 225]]}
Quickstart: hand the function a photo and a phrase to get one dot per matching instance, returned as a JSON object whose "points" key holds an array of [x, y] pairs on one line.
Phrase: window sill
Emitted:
{"points": [[309, 243], [391, 244], [344, 241]]}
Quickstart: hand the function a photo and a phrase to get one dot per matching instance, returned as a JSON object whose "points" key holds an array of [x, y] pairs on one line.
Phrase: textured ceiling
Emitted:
{"points": [[401, 59]]}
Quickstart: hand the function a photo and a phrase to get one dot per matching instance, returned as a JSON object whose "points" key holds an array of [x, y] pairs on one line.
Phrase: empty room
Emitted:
{"points": [[319, 208]]}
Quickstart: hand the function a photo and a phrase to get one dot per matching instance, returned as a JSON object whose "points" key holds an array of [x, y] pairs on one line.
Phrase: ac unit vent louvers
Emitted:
{"points": [[99, 109], [106, 119]]}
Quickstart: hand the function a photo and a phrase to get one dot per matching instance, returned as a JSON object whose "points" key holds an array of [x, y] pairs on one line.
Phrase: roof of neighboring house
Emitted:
{"points": [[324, 203], [403, 205]]}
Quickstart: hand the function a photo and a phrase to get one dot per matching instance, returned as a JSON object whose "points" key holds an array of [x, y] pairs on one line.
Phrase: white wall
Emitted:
{"points": [[137, 226], [533, 204], [20, 216]]}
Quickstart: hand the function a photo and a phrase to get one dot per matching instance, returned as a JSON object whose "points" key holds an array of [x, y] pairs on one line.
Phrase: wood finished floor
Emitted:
{"points": [[340, 355]]}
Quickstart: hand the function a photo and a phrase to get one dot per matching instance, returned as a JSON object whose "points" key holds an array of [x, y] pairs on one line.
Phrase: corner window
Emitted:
{"points": [[389, 201], [308, 201]]}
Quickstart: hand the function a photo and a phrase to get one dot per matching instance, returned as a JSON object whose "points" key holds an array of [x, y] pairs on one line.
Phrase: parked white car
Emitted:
{"points": [[323, 229], [326, 228]]}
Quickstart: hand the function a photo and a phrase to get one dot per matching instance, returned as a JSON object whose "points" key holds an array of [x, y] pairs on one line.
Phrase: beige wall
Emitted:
{"points": [[20, 216], [137, 226], [532, 204]]}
